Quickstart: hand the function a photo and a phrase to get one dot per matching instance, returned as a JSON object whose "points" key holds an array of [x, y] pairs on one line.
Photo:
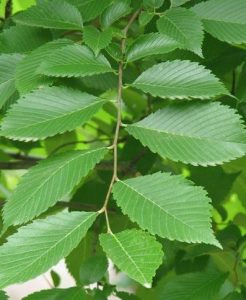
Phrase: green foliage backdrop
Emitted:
{"points": [[123, 141]]}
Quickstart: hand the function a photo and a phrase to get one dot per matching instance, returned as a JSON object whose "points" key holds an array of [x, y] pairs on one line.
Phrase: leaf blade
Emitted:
{"points": [[54, 237], [225, 20], [26, 77], [148, 200], [52, 14], [74, 61], [8, 63], [51, 110], [114, 12], [151, 44], [129, 244], [195, 133], [179, 79], [90, 9], [22, 39], [184, 26], [197, 286], [97, 40], [74, 293], [48, 182]]}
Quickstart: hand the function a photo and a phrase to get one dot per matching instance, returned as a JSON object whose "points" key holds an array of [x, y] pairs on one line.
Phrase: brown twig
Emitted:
{"points": [[118, 124]]}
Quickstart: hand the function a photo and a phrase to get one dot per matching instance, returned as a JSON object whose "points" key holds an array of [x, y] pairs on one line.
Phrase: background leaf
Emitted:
{"points": [[233, 296], [74, 293], [114, 12], [26, 76], [153, 3], [193, 286], [22, 39], [80, 254], [176, 3], [93, 269], [55, 278], [3, 295], [8, 63], [90, 9]]}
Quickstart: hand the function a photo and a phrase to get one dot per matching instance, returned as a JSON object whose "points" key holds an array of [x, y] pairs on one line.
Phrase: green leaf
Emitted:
{"points": [[56, 14], [240, 88], [18, 5], [240, 219], [101, 82], [93, 269], [74, 293], [3, 296], [179, 80], [193, 286], [74, 61], [8, 63], [48, 111], [239, 187], [115, 12], [27, 78], [224, 19], [126, 296], [216, 182], [90, 9], [134, 252], [233, 296], [153, 201], [153, 3], [38, 246], [80, 254], [48, 182], [196, 133], [145, 17], [55, 278], [184, 26], [151, 44], [97, 40], [114, 51], [176, 3], [22, 39]]}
